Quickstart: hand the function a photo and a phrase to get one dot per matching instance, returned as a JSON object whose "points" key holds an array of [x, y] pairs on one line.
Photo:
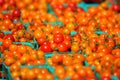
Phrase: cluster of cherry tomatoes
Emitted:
{"points": [[91, 37]]}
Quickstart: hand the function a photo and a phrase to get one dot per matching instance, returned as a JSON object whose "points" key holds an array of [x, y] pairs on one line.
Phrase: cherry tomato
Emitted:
{"points": [[116, 8], [57, 58], [46, 48], [106, 78], [16, 14], [2, 2], [10, 37], [58, 38], [40, 40], [62, 47], [6, 43]]}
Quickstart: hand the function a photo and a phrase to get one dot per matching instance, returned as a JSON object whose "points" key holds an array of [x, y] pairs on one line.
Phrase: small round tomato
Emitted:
{"points": [[67, 43], [7, 16], [30, 74], [40, 40], [13, 47], [8, 61], [76, 76], [116, 7], [22, 49], [77, 36], [2, 2], [79, 9], [67, 61], [57, 58], [46, 48], [19, 26], [62, 47], [12, 2], [59, 70], [6, 43], [16, 14], [58, 38], [10, 37], [106, 78]]}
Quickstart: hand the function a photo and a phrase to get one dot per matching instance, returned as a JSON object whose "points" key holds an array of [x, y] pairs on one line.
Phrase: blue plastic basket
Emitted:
{"points": [[7, 72]]}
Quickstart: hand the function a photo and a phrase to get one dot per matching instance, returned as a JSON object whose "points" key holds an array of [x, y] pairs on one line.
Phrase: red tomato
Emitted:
{"points": [[19, 26], [40, 40], [106, 78], [58, 38], [77, 36], [46, 48], [67, 43], [2, 2], [16, 14], [116, 8], [10, 37], [7, 16]]}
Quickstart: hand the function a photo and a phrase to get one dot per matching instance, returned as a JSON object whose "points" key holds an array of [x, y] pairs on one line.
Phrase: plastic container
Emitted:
{"points": [[7, 72], [85, 6]]}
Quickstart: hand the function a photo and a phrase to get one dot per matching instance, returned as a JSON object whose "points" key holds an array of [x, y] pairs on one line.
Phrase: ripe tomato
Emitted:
{"points": [[60, 71], [77, 36], [19, 26], [106, 78], [6, 43], [56, 58], [67, 43], [76, 76], [46, 48], [2, 2], [22, 49], [68, 61], [30, 74], [16, 13], [8, 61], [40, 40], [15, 74], [14, 67], [62, 47], [49, 77], [79, 9], [58, 38], [116, 8], [7, 16], [10, 37]]}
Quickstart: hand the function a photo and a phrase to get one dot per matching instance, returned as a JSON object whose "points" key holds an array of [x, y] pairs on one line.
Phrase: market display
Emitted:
{"points": [[59, 40]]}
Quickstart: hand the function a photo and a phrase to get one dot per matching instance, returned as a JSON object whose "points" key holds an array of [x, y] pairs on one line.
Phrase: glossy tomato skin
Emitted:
{"points": [[6, 43], [116, 8], [46, 48], [58, 38], [16, 14], [62, 47], [40, 40], [2, 2], [106, 78], [7, 16], [10, 37]]}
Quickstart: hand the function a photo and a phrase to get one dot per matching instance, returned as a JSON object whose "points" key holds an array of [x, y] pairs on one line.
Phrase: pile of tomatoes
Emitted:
{"points": [[84, 45]]}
